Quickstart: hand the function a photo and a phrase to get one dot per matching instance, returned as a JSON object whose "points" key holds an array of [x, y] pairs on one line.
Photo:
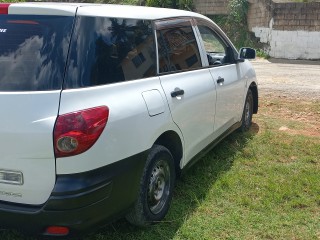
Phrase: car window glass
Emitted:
{"points": [[33, 51], [110, 50], [216, 50], [177, 49]]}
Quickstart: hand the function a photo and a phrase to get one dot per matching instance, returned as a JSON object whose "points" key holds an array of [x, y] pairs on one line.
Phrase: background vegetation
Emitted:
{"points": [[235, 26]]}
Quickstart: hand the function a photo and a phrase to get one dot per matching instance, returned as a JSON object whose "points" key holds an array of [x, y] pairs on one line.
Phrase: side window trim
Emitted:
{"points": [[155, 40], [173, 22], [202, 49]]}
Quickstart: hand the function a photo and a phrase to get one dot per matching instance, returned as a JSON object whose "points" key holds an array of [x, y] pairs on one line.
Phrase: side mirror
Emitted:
{"points": [[247, 53]]}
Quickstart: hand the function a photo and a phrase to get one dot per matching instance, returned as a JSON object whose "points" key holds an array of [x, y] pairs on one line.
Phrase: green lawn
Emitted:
{"points": [[264, 184]]}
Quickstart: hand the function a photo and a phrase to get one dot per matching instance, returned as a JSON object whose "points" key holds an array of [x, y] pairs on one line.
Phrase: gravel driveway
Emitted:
{"points": [[289, 78]]}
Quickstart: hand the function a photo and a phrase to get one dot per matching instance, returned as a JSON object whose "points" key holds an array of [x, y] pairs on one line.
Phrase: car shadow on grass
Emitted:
{"points": [[191, 189]]}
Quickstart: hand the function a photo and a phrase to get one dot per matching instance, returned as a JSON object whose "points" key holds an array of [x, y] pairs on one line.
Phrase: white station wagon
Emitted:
{"points": [[103, 106]]}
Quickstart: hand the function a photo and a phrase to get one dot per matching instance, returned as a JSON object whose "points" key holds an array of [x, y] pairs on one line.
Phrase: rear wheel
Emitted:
{"points": [[247, 112], [156, 188]]}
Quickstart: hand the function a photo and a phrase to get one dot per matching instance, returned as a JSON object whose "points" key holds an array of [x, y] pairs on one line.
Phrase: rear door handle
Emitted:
{"points": [[177, 92], [220, 80]]}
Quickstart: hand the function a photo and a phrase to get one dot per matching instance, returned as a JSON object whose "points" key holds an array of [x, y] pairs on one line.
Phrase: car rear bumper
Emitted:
{"points": [[80, 201]]}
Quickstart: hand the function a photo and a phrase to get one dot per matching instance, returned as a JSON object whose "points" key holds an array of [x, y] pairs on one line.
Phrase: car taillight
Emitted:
{"points": [[57, 231], [4, 8], [76, 132]]}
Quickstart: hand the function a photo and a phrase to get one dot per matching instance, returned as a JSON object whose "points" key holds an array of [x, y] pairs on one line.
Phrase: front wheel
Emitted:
{"points": [[156, 187], [247, 112]]}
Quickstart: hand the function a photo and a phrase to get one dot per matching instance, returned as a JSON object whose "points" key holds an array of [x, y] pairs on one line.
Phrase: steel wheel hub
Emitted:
{"points": [[247, 114], [158, 187]]}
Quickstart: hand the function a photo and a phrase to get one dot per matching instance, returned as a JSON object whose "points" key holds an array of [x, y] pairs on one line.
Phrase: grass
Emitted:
{"points": [[260, 185], [262, 54]]}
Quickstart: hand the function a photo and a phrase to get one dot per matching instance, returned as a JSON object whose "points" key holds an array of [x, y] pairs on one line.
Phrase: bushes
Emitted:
{"points": [[180, 4], [235, 24]]}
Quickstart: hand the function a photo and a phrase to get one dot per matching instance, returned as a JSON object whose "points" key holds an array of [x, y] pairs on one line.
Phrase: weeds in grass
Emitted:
{"points": [[260, 185], [262, 54]]}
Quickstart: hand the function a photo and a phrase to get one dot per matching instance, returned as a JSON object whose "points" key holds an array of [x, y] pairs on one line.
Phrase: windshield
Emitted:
{"points": [[33, 51]]}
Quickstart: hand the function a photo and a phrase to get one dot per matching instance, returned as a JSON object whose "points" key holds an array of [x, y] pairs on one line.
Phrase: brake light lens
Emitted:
{"points": [[4, 8], [57, 231], [76, 132]]}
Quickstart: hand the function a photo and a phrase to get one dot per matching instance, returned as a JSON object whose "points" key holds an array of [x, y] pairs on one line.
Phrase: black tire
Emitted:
{"points": [[156, 188], [247, 112]]}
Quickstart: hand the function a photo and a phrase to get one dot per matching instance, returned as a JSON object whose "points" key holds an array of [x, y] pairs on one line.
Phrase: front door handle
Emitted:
{"points": [[177, 92], [220, 80]]}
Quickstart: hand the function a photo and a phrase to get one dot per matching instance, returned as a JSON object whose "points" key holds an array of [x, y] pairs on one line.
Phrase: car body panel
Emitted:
{"points": [[194, 111], [26, 144], [43, 9], [134, 12], [32, 66], [129, 130], [229, 96], [154, 102]]}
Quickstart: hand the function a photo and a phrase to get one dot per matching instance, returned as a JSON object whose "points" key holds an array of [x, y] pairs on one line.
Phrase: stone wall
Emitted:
{"points": [[296, 16], [211, 7], [259, 13], [289, 30]]}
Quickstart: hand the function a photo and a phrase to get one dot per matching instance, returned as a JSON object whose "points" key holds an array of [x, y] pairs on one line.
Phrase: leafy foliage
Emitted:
{"points": [[10, 1], [122, 2], [235, 24], [238, 10], [180, 4], [262, 54]]}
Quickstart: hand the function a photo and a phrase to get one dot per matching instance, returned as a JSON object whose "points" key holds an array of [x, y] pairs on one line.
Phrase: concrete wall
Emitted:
{"points": [[290, 44], [288, 29]]}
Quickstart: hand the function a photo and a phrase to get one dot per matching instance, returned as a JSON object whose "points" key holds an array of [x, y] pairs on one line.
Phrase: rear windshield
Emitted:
{"points": [[33, 51], [109, 50]]}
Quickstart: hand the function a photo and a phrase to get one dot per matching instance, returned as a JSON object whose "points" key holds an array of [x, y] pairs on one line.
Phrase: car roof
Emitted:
{"points": [[136, 12], [106, 10], [60, 9]]}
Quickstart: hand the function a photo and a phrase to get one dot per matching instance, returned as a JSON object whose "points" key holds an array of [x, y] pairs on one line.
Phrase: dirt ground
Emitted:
{"points": [[293, 79], [290, 89]]}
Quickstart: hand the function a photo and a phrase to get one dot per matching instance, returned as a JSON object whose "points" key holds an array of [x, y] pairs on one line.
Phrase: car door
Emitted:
{"points": [[189, 88], [226, 74]]}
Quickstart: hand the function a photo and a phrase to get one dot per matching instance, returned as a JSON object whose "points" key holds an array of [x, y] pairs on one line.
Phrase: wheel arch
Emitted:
{"points": [[171, 140], [254, 89]]}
